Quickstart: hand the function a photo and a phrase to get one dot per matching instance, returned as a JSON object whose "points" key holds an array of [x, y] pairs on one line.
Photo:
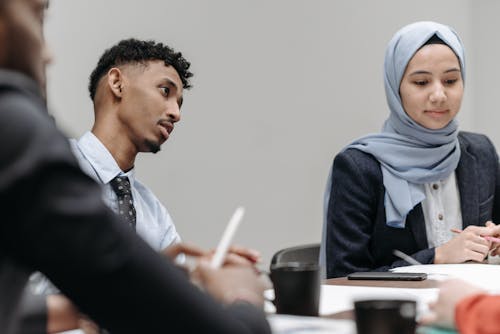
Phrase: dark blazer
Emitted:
{"points": [[33, 313], [358, 238], [54, 220]]}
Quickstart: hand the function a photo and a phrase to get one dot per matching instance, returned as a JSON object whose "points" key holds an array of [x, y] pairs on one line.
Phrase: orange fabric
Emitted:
{"points": [[478, 314]]}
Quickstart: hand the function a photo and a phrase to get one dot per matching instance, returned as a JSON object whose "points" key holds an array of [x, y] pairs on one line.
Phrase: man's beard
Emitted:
{"points": [[152, 146]]}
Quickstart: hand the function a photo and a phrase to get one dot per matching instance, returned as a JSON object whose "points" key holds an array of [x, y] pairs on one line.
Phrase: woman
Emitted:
{"points": [[410, 186]]}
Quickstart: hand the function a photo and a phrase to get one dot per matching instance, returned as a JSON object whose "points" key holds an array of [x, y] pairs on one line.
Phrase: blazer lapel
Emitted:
{"points": [[416, 221], [467, 180]]}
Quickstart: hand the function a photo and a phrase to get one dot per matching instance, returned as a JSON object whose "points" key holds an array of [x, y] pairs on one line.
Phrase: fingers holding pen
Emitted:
{"points": [[474, 235], [467, 245], [493, 236], [490, 233]]}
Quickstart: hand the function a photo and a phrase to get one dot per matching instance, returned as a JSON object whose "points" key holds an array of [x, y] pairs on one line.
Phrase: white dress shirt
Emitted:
{"points": [[153, 222], [442, 211]]}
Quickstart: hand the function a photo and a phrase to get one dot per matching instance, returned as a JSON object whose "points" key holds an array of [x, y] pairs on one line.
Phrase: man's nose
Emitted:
{"points": [[47, 55], [174, 112]]}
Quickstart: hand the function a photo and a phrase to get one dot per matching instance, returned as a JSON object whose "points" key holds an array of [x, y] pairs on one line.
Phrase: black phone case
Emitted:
{"points": [[387, 276]]}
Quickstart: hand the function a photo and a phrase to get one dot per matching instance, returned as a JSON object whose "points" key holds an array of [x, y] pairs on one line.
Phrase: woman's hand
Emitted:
{"points": [[469, 245], [495, 232], [442, 312]]}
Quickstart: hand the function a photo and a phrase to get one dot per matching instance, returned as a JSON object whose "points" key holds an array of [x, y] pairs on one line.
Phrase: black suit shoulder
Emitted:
{"points": [[363, 160], [364, 166], [479, 145], [30, 140]]}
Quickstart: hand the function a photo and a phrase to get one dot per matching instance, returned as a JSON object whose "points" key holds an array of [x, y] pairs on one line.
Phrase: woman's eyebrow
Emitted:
{"points": [[454, 69], [420, 72]]}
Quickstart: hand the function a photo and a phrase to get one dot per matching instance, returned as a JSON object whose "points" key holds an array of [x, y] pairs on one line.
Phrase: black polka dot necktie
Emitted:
{"points": [[121, 187]]}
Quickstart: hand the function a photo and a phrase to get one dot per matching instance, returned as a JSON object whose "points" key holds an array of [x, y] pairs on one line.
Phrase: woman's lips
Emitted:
{"points": [[436, 113]]}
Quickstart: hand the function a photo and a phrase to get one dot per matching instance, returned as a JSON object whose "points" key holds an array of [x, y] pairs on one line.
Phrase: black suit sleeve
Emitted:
{"points": [[53, 220], [357, 237], [33, 313], [496, 167]]}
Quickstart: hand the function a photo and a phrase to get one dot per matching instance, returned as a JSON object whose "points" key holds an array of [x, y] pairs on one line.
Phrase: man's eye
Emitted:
{"points": [[165, 90]]}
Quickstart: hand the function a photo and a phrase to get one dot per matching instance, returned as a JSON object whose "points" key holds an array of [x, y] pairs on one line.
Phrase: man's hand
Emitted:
{"points": [[62, 315], [236, 255], [231, 283], [241, 256], [183, 248]]}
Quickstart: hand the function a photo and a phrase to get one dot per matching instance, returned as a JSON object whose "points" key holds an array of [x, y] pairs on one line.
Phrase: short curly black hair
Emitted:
{"points": [[136, 51]]}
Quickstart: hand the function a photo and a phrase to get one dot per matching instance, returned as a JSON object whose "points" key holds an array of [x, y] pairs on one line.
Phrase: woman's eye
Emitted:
{"points": [[450, 81], [421, 82]]}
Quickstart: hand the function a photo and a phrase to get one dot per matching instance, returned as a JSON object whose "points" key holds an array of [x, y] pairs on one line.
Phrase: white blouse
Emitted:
{"points": [[442, 210]]}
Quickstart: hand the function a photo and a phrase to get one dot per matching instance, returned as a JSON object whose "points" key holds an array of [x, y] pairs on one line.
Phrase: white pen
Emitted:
{"points": [[223, 246], [405, 257]]}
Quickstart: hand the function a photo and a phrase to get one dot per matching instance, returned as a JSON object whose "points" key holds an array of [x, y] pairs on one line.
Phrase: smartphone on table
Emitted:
{"points": [[387, 276]]}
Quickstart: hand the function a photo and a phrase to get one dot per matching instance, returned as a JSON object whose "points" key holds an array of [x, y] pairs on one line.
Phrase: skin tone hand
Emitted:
{"points": [[231, 283], [495, 230], [87, 326], [62, 316], [443, 310], [465, 246], [242, 256], [183, 248], [237, 255]]}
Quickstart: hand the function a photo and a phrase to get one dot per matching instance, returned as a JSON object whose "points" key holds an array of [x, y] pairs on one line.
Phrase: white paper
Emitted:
{"points": [[486, 276], [289, 324]]}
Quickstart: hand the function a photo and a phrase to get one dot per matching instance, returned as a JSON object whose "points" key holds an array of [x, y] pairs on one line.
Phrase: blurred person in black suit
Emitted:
{"points": [[55, 220]]}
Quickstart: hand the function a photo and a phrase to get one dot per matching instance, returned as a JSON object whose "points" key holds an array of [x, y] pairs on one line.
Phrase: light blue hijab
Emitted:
{"points": [[409, 154]]}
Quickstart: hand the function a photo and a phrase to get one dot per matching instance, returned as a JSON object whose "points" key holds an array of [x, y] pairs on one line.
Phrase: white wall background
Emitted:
{"points": [[280, 86]]}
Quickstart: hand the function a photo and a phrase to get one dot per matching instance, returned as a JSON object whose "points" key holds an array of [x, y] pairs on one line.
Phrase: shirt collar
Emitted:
{"points": [[101, 159]]}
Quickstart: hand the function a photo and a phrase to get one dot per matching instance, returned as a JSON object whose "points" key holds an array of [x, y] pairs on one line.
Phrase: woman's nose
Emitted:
{"points": [[438, 95]]}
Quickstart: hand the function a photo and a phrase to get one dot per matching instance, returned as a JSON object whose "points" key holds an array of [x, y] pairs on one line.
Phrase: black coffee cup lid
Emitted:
{"points": [[295, 266]]}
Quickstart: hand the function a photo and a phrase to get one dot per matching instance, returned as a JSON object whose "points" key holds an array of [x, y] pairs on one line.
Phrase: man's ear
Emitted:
{"points": [[115, 82]]}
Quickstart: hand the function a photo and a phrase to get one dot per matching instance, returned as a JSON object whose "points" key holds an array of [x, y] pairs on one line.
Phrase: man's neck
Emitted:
{"points": [[120, 148]]}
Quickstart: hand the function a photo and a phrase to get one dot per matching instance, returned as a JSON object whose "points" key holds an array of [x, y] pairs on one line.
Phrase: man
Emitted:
{"points": [[54, 220], [151, 78], [137, 91]]}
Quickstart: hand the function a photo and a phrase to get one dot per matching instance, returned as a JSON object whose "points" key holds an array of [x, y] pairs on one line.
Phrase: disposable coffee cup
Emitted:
{"points": [[380, 316], [296, 288]]}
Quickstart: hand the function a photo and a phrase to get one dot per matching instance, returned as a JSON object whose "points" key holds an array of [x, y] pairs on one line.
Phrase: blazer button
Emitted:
{"points": [[440, 216]]}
